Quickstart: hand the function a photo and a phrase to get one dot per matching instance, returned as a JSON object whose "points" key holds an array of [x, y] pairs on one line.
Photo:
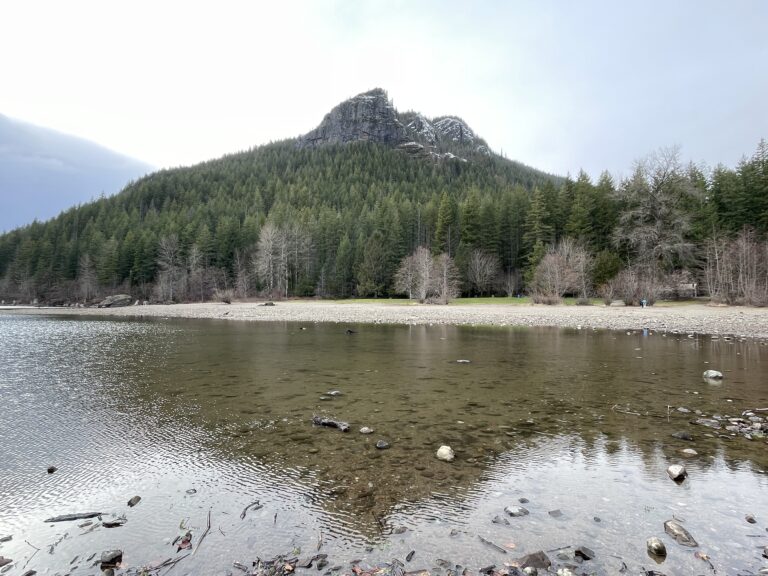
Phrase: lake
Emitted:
{"points": [[200, 417]]}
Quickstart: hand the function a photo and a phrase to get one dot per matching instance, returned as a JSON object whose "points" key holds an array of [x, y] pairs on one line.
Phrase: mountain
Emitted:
{"points": [[42, 172], [370, 117]]}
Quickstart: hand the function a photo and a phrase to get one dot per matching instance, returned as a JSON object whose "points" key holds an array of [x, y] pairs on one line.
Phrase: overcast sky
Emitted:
{"points": [[559, 85]]}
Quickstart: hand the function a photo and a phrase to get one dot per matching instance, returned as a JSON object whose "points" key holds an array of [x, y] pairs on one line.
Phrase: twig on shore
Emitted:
{"points": [[199, 542]]}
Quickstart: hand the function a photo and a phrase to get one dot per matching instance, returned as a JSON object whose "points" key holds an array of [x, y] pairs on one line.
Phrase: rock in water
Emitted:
{"points": [[584, 553], [677, 472], [111, 558], [51, 469], [330, 423], [751, 519], [382, 444], [690, 452], [366, 430], [712, 375], [133, 501], [516, 511], [537, 560], [4, 561], [445, 453], [683, 436], [656, 547], [680, 534]]}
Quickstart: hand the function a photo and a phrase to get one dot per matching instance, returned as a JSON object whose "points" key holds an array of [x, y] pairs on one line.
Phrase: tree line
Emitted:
{"points": [[366, 220]]}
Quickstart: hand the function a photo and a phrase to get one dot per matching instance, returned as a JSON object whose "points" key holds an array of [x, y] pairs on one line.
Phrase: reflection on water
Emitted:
{"points": [[576, 421]]}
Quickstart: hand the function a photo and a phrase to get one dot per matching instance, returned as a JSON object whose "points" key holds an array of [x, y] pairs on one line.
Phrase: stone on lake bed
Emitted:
{"points": [[463, 361], [680, 534], [366, 430], [751, 519], [677, 472], [133, 501], [683, 436], [555, 513], [584, 553], [516, 511], [382, 444], [656, 547], [689, 452], [51, 469], [445, 453], [712, 375], [538, 560], [4, 561]]}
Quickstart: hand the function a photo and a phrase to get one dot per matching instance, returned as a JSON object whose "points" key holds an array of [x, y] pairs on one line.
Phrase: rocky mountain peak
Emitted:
{"points": [[368, 116], [371, 117]]}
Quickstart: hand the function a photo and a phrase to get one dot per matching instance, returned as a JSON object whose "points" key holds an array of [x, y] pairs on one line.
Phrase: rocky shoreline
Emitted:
{"points": [[733, 322]]}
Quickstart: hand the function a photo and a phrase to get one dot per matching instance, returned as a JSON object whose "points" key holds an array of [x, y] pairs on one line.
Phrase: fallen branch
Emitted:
{"points": [[199, 542], [491, 544], [255, 505]]}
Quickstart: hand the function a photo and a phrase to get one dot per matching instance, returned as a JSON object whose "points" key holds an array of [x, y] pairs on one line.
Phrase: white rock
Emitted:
{"points": [[712, 375], [366, 430], [677, 472], [445, 453], [689, 452]]}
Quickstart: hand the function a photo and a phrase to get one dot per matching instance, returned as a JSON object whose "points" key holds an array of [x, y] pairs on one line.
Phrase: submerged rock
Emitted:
{"points": [[683, 436], [690, 452], [677, 472], [712, 375], [133, 501], [51, 469], [445, 453], [751, 519], [538, 560], [680, 534], [4, 561], [366, 430], [656, 547], [584, 553], [382, 444], [516, 511], [330, 423]]}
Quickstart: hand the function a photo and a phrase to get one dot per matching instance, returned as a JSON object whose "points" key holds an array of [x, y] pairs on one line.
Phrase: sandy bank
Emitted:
{"points": [[694, 318]]}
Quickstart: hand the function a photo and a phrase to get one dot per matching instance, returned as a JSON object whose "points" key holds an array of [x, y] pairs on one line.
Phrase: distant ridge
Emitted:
{"points": [[43, 172]]}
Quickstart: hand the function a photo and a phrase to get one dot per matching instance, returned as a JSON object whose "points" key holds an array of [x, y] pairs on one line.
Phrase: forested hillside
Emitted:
{"points": [[339, 220]]}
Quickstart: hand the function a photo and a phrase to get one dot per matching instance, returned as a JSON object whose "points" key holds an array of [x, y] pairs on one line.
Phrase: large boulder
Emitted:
{"points": [[116, 301]]}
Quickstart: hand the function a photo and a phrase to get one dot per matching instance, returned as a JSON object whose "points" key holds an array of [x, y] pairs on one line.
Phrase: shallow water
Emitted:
{"points": [[578, 421]]}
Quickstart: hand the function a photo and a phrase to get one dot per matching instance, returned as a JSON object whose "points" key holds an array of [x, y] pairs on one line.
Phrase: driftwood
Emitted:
{"points": [[330, 423], [491, 544], [71, 517]]}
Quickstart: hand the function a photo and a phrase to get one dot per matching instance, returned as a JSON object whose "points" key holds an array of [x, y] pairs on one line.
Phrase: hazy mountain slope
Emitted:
{"points": [[42, 172]]}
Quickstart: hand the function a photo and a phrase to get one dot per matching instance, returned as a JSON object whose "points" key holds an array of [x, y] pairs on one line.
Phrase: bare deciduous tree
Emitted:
{"points": [[86, 277], [654, 223], [242, 275], [482, 270], [564, 269], [168, 259], [415, 275], [736, 270], [447, 280]]}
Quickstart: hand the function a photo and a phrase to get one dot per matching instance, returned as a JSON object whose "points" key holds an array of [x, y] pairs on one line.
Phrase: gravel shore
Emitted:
{"points": [[687, 318]]}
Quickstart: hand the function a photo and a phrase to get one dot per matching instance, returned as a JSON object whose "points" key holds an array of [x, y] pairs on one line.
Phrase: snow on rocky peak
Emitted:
{"points": [[422, 127], [454, 129]]}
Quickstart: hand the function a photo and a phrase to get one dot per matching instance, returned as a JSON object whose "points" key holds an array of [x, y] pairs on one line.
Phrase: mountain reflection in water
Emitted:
{"points": [[576, 421]]}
